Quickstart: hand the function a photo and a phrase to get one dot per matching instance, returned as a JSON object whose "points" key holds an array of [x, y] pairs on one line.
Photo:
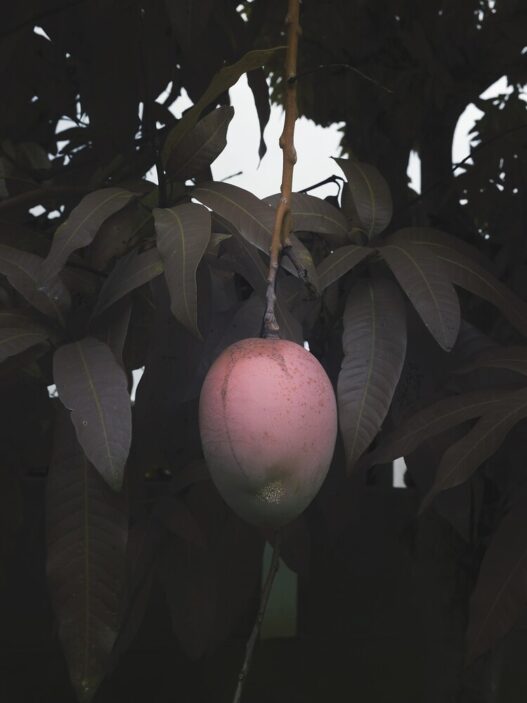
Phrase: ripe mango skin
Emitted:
{"points": [[268, 424]]}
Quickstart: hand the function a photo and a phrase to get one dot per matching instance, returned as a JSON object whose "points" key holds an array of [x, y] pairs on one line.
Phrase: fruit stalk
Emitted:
{"points": [[251, 642], [282, 221]]}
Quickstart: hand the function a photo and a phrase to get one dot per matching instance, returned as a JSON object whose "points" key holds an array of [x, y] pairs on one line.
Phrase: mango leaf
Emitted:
{"points": [[512, 358], [201, 146], [86, 545], [303, 258], [221, 82], [462, 458], [468, 269], [131, 271], [80, 228], [434, 419], [424, 280], [374, 345], [370, 194], [310, 214], [257, 82], [340, 262], [93, 386], [183, 234], [499, 598], [16, 340], [22, 270], [249, 216]]}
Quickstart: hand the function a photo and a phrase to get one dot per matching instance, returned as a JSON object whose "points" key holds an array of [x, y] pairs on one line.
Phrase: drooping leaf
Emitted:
{"points": [[310, 214], [183, 234], [512, 358], [434, 419], [22, 270], [374, 345], [499, 598], [86, 540], [370, 194], [221, 82], [249, 216], [302, 257], [132, 271], [467, 269], [340, 262], [461, 459], [15, 340], [424, 280], [80, 228], [116, 329], [202, 145], [257, 82], [93, 386], [116, 233]]}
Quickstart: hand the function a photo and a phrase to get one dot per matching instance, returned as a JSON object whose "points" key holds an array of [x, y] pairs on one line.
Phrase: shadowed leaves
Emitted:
{"points": [[86, 538], [93, 386], [183, 234], [423, 279], [340, 262], [16, 340], [80, 228], [202, 145], [374, 344], [511, 358], [132, 271], [370, 194]]}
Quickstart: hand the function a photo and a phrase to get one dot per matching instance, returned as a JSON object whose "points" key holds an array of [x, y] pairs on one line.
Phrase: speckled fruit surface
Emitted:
{"points": [[268, 423]]}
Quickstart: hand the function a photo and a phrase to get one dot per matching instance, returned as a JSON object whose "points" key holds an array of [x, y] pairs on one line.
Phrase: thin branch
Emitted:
{"points": [[329, 179], [282, 222], [264, 598], [344, 67]]}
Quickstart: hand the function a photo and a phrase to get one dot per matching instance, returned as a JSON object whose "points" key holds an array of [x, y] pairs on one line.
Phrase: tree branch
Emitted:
{"points": [[282, 222]]}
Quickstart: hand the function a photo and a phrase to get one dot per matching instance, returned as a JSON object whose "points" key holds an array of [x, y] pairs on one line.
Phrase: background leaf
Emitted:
{"points": [[86, 540], [16, 340], [93, 386], [340, 262], [202, 145], [512, 358], [183, 234], [131, 271], [374, 344], [423, 279], [82, 225], [370, 194]]}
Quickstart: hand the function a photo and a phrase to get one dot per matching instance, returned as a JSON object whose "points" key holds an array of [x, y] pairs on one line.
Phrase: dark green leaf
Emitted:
{"points": [[16, 340], [132, 271], [340, 262], [80, 228], [183, 234], [512, 358], [201, 146], [370, 194], [86, 541], [424, 280], [374, 345], [221, 82], [93, 386], [22, 270]]}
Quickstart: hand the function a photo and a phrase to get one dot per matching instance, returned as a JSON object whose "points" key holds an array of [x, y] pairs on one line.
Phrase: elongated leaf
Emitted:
{"points": [[310, 214], [183, 234], [302, 257], [80, 228], [16, 340], [500, 597], [461, 459], [340, 262], [437, 240], [221, 82], [22, 270], [374, 345], [251, 218], [512, 358], [370, 194], [93, 386], [257, 82], [132, 271], [86, 540], [434, 419], [425, 282], [202, 145]]}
